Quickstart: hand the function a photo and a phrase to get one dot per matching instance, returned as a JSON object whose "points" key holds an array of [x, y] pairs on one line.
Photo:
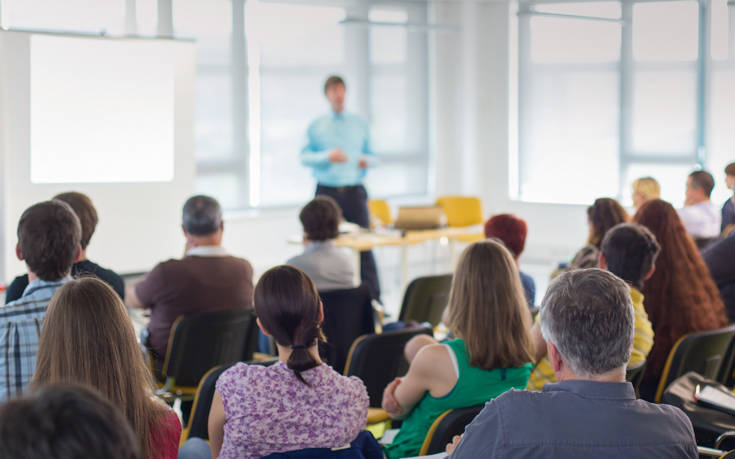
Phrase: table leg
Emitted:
{"points": [[356, 261], [404, 267]]}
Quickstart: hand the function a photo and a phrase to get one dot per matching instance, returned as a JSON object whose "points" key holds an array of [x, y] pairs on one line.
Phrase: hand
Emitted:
{"points": [[363, 163], [337, 156], [453, 445], [390, 404]]}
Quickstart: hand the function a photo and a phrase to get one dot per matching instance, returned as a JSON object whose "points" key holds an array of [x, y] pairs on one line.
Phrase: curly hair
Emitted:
{"points": [[603, 214], [680, 297]]}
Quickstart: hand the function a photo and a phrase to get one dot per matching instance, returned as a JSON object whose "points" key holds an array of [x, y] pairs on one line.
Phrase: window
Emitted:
{"points": [[611, 91]]}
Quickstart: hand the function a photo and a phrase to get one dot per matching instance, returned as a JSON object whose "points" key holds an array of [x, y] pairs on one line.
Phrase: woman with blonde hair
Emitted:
{"points": [[87, 338], [488, 315], [645, 189]]}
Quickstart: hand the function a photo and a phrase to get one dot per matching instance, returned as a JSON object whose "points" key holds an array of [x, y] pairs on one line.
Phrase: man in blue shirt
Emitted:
{"points": [[338, 151]]}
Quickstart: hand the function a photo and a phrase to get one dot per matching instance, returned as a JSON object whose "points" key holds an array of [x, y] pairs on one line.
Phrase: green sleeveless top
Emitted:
{"points": [[474, 386]]}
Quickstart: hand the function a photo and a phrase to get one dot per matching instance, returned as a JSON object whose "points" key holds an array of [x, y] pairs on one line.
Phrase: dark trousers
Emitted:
{"points": [[353, 202]]}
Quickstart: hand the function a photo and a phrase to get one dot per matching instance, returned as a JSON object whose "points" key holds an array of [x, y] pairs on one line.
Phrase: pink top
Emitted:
{"points": [[268, 410], [165, 435]]}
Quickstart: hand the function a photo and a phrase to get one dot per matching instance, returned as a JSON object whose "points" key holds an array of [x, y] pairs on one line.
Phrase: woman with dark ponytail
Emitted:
{"points": [[297, 403]]}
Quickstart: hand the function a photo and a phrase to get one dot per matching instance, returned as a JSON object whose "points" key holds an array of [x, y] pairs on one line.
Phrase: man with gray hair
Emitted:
{"points": [[587, 323], [206, 279]]}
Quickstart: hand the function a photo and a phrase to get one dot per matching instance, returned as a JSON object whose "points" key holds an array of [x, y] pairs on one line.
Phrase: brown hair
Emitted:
{"points": [[730, 169], [87, 338], [87, 214], [48, 236], [320, 219], [487, 307], [289, 308], [704, 181], [333, 80], [603, 214], [681, 296]]}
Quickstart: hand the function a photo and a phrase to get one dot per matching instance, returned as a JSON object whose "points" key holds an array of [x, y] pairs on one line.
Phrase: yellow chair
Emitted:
{"points": [[463, 211], [446, 426], [379, 209]]}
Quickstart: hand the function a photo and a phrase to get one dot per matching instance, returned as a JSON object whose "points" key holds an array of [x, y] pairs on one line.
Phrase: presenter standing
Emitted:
{"points": [[338, 151]]}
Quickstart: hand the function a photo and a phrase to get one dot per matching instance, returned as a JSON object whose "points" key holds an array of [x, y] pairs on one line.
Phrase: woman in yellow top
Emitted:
{"points": [[629, 251]]}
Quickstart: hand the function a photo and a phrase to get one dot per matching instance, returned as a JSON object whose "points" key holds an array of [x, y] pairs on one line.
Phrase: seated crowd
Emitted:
{"points": [[77, 384]]}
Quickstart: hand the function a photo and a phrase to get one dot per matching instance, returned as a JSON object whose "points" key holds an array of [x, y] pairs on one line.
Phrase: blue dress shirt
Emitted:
{"points": [[345, 131]]}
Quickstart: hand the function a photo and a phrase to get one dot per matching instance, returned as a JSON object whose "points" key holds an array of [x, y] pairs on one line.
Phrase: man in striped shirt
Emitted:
{"points": [[49, 235], [629, 251]]}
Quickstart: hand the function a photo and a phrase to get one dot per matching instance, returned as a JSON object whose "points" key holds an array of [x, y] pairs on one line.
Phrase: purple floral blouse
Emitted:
{"points": [[268, 410]]}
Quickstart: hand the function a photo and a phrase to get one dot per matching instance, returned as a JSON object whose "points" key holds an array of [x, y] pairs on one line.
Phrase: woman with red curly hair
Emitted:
{"points": [[511, 231], [681, 296]]}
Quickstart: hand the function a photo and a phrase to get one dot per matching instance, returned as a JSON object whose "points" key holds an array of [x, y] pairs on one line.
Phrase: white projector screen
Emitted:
{"points": [[102, 111]]}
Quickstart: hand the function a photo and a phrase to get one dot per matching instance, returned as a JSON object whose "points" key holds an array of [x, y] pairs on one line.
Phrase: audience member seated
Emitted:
{"points": [[681, 296], [602, 215], [65, 421], [728, 208], [699, 216], [645, 189], [719, 259], [207, 278], [587, 321], [629, 251], [48, 241], [297, 403], [512, 231], [88, 338], [491, 352], [87, 214], [329, 267]]}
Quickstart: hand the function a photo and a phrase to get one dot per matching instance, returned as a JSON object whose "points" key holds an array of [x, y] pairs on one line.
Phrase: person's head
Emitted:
{"points": [[335, 90], [201, 219], [602, 215], [699, 187], [587, 321], [87, 214], [645, 189], [629, 251], [487, 307], [730, 176], [320, 219], [87, 338], [509, 229], [63, 421], [289, 309], [49, 235]]}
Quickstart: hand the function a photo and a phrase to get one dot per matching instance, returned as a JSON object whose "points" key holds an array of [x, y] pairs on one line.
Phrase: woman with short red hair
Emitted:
{"points": [[511, 231]]}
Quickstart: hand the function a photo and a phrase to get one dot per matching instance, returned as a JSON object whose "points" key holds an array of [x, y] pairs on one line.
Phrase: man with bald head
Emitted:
{"points": [[206, 279]]}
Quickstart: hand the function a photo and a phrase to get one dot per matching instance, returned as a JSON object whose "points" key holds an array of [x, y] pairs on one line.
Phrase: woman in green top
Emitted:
{"points": [[488, 315]]}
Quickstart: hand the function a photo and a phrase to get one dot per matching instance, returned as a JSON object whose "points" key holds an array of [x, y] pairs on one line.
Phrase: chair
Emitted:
{"points": [[701, 352], [348, 314], [446, 426], [463, 211], [634, 375], [377, 360], [364, 446], [379, 209], [425, 299], [197, 425], [200, 342], [727, 369]]}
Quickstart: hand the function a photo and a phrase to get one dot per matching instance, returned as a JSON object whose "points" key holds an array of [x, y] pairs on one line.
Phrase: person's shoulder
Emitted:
{"points": [[240, 375], [432, 358], [239, 261]]}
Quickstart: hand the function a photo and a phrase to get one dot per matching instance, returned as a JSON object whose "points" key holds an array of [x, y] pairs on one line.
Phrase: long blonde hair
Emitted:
{"points": [[87, 338], [487, 307]]}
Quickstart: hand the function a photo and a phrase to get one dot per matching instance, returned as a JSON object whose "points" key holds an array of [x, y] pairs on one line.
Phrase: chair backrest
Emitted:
{"points": [[364, 446], [379, 209], [200, 342], [378, 359], [426, 298], [446, 426], [348, 314], [634, 375], [198, 420], [701, 352], [727, 369], [461, 210]]}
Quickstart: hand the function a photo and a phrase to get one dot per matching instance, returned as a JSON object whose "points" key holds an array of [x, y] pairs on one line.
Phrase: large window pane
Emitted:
{"points": [[570, 147], [664, 112], [388, 43], [388, 107], [213, 127], [665, 31], [720, 29], [574, 40], [225, 186], [210, 23], [722, 128], [399, 178]]}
